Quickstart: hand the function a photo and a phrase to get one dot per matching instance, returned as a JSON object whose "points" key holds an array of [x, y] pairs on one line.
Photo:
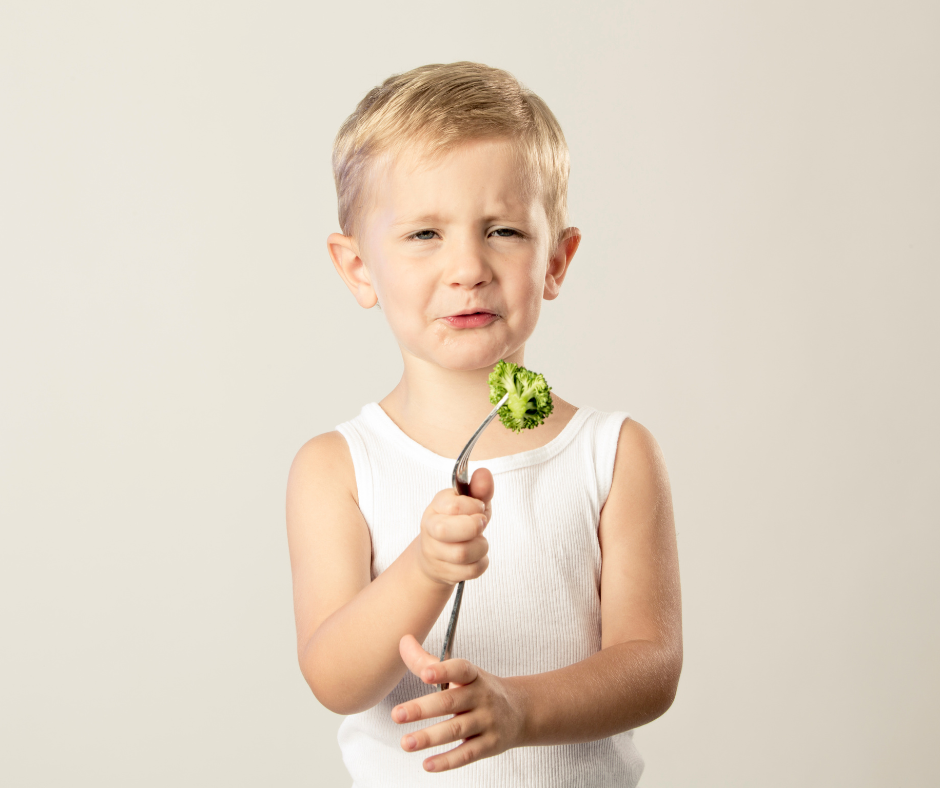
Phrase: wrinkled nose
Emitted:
{"points": [[468, 266]]}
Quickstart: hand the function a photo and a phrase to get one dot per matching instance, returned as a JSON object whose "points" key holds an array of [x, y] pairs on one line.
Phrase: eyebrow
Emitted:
{"points": [[434, 219], [427, 219]]}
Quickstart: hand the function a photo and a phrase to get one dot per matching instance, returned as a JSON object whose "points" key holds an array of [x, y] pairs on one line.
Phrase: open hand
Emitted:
{"points": [[489, 712]]}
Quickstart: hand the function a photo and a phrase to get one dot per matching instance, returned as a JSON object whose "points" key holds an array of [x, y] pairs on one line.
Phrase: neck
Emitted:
{"points": [[445, 402]]}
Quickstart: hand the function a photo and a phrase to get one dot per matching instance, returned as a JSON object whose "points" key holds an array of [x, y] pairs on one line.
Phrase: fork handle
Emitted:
{"points": [[451, 626], [463, 488], [461, 481]]}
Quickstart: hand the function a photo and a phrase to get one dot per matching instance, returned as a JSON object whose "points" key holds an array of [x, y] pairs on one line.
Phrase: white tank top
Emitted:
{"points": [[535, 609]]}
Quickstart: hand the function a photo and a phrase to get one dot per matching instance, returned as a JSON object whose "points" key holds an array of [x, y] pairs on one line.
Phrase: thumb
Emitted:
{"points": [[415, 658], [482, 486]]}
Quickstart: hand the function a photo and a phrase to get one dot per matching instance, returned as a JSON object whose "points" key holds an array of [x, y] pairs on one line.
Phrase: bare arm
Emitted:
{"points": [[348, 628], [631, 681]]}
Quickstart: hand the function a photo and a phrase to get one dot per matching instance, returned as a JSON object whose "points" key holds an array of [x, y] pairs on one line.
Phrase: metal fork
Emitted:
{"points": [[460, 478]]}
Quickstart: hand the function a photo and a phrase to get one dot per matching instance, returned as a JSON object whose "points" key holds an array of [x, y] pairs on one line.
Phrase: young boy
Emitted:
{"points": [[452, 183]]}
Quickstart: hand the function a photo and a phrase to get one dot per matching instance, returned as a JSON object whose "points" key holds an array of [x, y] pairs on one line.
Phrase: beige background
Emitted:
{"points": [[757, 184]]}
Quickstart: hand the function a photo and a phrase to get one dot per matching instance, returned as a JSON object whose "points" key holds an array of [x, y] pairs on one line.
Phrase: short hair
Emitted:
{"points": [[438, 107]]}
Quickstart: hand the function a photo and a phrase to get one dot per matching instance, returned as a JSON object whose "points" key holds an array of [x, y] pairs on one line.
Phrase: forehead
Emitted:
{"points": [[488, 176]]}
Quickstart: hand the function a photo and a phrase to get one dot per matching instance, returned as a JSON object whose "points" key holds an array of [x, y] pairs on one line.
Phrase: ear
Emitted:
{"points": [[344, 251], [559, 261]]}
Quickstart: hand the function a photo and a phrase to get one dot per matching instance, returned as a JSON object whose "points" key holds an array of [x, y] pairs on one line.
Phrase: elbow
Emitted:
{"points": [[330, 690], [328, 694], [669, 686], [657, 671], [667, 698], [336, 702]]}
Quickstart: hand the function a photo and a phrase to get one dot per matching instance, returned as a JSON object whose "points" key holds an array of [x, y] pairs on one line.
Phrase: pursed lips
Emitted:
{"points": [[470, 318]]}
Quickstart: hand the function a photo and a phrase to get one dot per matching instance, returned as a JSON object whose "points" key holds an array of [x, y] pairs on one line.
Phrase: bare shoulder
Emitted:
{"points": [[329, 541], [639, 467], [636, 522], [324, 461], [640, 576]]}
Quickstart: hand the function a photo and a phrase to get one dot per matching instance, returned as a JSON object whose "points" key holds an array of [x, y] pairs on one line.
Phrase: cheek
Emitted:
{"points": [[403, 299], [530, 287]]}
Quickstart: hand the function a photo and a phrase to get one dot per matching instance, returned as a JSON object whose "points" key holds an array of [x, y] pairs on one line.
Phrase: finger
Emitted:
{"points": [[456, 528], [482, 486], [451, 671], [415, 658], [450, 502], [436, 704], [471, 750], [458, 728], [455, 573], [462, 553]]}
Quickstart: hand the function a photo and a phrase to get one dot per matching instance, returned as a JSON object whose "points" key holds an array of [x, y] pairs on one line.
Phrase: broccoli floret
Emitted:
{"points": [[529, 400]]}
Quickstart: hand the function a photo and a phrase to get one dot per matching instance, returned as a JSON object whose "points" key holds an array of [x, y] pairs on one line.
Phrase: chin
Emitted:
{"points": [[468, 350], [470, 359]]}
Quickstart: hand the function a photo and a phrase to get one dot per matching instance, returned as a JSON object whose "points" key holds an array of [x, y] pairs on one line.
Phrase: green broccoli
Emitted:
{"points": [[529, 400]]}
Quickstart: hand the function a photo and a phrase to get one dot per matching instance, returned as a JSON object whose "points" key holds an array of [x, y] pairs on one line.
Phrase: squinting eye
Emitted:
{"points": [[423, 235], [504, 232]]}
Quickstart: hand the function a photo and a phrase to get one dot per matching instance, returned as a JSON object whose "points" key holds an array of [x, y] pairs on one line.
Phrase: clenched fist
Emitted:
{"points": [[452, 545]]}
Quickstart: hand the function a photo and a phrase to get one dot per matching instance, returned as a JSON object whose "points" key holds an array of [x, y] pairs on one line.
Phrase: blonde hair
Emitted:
{"points": [[438, 107]]}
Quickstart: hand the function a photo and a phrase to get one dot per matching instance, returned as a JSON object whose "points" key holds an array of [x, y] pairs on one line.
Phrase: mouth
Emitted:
{"points": [[470, 319]]}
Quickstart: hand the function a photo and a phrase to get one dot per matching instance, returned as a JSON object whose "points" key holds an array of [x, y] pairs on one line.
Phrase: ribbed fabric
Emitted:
{"points": [[535, 609]]}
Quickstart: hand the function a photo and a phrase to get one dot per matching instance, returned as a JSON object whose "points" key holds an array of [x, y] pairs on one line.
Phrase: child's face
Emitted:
{"points": [[453, 236]]}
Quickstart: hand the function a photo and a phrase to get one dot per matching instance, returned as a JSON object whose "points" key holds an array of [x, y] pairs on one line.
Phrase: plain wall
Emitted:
{"points": [[758, 185]]}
